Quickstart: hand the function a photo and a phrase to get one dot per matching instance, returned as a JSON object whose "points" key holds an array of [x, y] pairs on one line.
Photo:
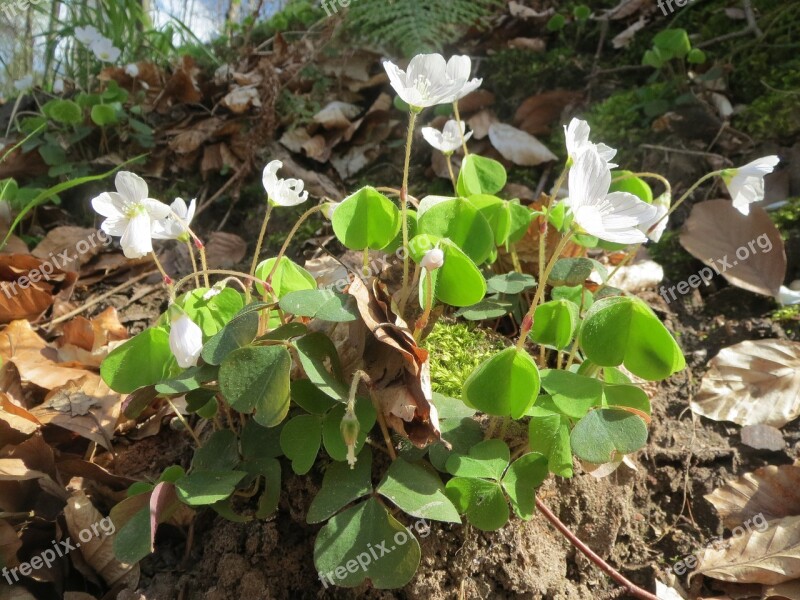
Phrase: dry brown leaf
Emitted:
{"points": [[98, 551], [398, 367], [240, 99], [17, 417], [715, 232], [480, 123], [768, 557], [763, 437], [752, 382], [772, 491], [225, 250], [783, 591], [9, 544], [89, 342], [25, 290], [36, 361], [86, 406], [14, 592], [517, 9], [71, 246], [537, 114], [337, 115], [519, 147], [193, 136]]}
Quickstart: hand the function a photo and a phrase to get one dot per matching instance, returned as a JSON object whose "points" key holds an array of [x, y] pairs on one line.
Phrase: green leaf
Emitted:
{"points": [[367, 219], [300, 441], [238, 333], [572, 394], [188, 380], [257, 379], [104, 114], [605, 434], [556, 23], [575, 294], [624, 330], [497, 213], [480, 175], [341, 485], [201, 488], [331, 432], [485, 309], [211, 314], [458, 281], [260, 442], [220, 452], [458, 220], [451, 408], [325, 305], [417, 491], [555, 323], [145, 359], [488, 459], [696, 56], [63, 111], [270, 470], [483, 502], [524, 475], [342, 549], [288, 277], [203, 402], [310, 398], [521, 218], [510, 283], [570, 271], [672, 43], [131, 517], [628, 396], [461, 433], [505, 384], [548, 434], [53, 154], [316, 352], [632, 185]]}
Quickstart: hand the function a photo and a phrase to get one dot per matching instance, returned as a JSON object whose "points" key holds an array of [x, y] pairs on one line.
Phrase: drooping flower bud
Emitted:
{"points": [[350, 428], [433, 259], [185, 341]]}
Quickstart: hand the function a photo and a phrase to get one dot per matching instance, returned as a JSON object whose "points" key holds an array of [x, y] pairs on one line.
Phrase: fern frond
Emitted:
{"points": [[415, 26]]}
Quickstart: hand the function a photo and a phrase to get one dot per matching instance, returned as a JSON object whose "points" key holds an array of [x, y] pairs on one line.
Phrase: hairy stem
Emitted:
{"points": [[412, 120], [261, 239]]}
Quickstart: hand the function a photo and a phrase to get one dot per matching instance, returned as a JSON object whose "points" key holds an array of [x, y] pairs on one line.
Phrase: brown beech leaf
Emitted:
{"points": [[783, 591], [97, 551], [752, 382], [88, 342], [86, 406], [225, 250], [70, 246], [772, 491], [21, 298], [715, 232], [519, 147], [36, 361], [9, 544], [770, 557], [537, 114], [398, 367], [17, 417]]}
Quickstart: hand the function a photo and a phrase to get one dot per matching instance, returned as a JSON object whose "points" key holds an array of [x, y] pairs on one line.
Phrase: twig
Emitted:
{"points": [[688, 152], [629, 586], [752, 27]]}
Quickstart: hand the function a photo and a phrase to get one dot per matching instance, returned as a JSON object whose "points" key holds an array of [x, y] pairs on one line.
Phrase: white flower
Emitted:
{"points": [[129, 213], [105, 50], [577, 134], [787, 296], [432, 260], [429, 80], [655, 228], [132, 70], [614, 217], [87, 35], [172, 228], [449, 139], [746, 184], [24, 84], [328, 208], [185, 341], [283, 192], [58, 86]]}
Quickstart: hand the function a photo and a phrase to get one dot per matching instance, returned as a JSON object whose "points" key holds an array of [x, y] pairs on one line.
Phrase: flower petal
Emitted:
{"points": [[136, 240], [109, 204], [155, 208], [130, 186], [115, 226]]}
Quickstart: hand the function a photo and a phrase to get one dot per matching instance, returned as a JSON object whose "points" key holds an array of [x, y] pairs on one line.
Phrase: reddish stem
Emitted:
{"points": [[630, 587]]}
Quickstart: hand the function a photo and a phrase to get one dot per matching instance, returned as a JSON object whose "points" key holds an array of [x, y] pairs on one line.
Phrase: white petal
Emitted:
{"points": [[115, 226], [270, 176], [788, 296], [745, 190], [136, 240], [469, 87], [434, 137], [589, 178], [155, 208], [190, 211], [185, 341], [130, 186], [397, 77], [459, 68], [178, 206], [760, 166], [109, 204], [577, 134]]}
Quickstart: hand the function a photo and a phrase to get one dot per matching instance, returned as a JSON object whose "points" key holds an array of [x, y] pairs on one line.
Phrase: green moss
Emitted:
{"points": [[788, 216], [786, 314], [456, 349], [774, 114]]}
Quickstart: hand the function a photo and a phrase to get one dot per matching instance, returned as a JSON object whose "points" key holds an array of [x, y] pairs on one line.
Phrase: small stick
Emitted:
{"points": [[629, 586]]}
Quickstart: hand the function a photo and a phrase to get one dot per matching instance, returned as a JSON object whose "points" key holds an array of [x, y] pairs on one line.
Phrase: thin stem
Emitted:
{"points": [[515, 259], [629, 586], [387, 439], [167, 278], [412, 120], [289, 237], [261, 239], [543, 229], [208, 272], [689, 192], [203, 262], [183, 421], [194, 263], [527, 321], [665, 182], [458, 120], [422, 322], [448, 156]]}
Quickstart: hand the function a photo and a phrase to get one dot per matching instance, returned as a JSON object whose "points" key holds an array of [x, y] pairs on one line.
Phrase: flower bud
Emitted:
{"points": [[328, 208], [185, 341], [433, 259], [350, 427]]}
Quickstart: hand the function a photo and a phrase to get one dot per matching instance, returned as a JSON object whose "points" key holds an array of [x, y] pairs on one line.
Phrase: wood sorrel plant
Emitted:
{"points": [[267, 389]]}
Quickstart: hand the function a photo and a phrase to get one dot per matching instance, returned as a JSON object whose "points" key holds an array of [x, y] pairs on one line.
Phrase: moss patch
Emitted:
{"points": [[456, 349]]}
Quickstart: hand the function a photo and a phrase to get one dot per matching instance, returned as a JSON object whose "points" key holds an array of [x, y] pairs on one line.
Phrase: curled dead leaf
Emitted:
{"points": [[519, 147]]}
